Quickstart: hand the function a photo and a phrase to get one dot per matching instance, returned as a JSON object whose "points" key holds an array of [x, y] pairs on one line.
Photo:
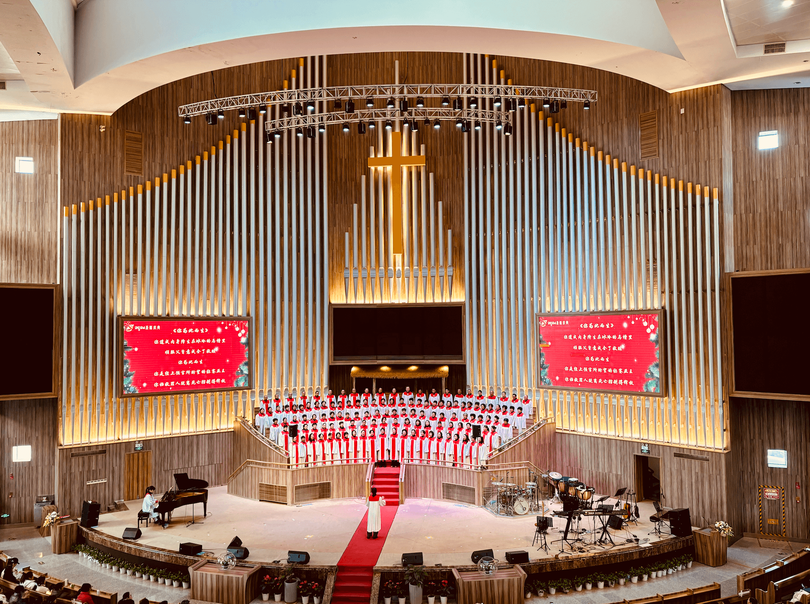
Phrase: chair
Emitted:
{"points": [[144, 516], [658, 518]]}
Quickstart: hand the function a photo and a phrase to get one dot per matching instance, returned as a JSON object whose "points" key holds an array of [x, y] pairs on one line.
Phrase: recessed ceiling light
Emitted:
{"points": [[787, 3]]}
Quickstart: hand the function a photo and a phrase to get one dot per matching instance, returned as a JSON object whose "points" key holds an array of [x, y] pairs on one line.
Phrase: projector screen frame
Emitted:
{"points": [[119, 349], [56, 375], [730, 296], [400, 360], [662, 341]]}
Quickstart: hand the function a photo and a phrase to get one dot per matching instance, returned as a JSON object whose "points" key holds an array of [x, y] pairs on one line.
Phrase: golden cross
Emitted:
{"points": [[396, 161]]}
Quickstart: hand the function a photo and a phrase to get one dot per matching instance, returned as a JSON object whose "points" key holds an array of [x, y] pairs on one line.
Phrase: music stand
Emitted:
{"points": [[543, 524], [659, 516]]}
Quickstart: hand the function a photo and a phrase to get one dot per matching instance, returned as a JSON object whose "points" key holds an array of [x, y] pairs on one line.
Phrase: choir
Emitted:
{"points": [[460, 430]]}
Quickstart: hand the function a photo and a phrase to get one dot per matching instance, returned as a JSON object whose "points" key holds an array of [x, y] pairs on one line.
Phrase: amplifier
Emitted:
{"points": [[517, 557], [190, 549]]}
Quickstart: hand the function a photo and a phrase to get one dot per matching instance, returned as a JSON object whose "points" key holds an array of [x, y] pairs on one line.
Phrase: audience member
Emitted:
{"points": [[84, 594], [126, 599], [17, 595], [8, 572]]}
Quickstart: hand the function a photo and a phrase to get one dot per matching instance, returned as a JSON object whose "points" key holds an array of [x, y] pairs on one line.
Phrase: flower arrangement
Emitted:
{"points": [[724, 528], [317, 589], [445, 588], [272, 585], [430, 589], [389, 589], [304, 588], [50, 519]]}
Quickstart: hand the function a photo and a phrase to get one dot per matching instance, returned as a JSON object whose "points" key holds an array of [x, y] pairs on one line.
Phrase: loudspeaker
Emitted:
{"points": [[543, 523], [680, 522], [615, 522], [297, 557], [481, 553], [412, 559], [476, 431], [132, 533], [190, 549], [293, 430], [569, 503], [517, 557], [235, 547], [90, 512]]}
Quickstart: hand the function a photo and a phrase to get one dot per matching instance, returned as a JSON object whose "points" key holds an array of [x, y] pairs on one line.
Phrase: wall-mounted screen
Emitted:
{"points": [[771, 327], [618, 352], [777, 458], [29, 363], [174, 355]]}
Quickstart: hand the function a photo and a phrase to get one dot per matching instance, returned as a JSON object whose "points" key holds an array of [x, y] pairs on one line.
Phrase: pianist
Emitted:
{"points": [[149, 503]]}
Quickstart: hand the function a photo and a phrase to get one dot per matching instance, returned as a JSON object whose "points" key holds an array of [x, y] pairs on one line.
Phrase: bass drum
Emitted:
{"points": [[521, 506]]}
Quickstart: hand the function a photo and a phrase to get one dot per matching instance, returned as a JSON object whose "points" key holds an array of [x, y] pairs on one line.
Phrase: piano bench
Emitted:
{"points": [[143, 516]]}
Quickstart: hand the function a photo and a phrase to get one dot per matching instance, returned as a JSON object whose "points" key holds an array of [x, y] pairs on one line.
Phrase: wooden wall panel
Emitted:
{"points": [[137, 473], [756, 426], [30, 213], [771, 188], [26, 422], [247, 445], [205, 456], [346, 480], [426, 480], [539, 448]]}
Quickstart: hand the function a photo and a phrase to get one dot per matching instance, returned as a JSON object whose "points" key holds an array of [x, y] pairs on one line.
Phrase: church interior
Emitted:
{"points": [[422, 302]]}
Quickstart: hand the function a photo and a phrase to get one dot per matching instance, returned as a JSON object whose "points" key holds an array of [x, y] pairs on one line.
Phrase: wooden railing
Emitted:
{"points": [[520, 437], [402, 483], [253, 463], [761, 578], [369, 478], [261, 437], [697, 595]]}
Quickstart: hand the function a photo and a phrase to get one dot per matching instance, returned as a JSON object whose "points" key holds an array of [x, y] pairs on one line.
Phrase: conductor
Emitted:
{"points": [[374, 517]]}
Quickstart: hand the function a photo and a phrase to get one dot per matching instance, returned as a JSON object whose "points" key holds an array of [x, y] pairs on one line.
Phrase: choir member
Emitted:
{"points": [[434, 397], [447, 398], [466, 451], [311, 443], [407, 396]]}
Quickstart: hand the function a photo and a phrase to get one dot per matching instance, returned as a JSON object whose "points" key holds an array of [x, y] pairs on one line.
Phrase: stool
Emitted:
{"points": [[144, 516]]}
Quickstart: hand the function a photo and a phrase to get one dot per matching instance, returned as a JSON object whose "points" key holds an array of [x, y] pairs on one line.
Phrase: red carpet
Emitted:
{"points": [[353, 582]]}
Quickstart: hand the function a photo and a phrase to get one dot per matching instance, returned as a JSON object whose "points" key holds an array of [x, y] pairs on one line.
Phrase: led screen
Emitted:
{"points": [[603, 352], [160, 356]]}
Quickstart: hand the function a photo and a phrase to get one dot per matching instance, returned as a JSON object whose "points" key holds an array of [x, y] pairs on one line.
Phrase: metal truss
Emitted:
{"points": [[382, 115], [359, 94]]}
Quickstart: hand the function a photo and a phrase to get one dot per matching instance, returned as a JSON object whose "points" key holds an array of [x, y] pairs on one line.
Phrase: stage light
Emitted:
{"points": [[555, 106], [473, 102], [510, 105], [268, 138], [498, 101], [350, 106], [498, 125], [564, 104], [298, 109], [587, 105], [437, 124], [285, 108], [407, 124], [420, 102], [220, 114], [262, 109], [345, 126], [445, 101], [211, 119], [477, 125], [310, 105], [546, 103], [361, 128], [465, 127], [311, 132], [427, 122], [521, 103], [369, 102], [322, 128], [403, 105], [277, 134], [371, 125], [390, 104], [241, 112], [457, 104], [415, 125], [388, 125], [507, 130], [299, 132], [459, 123], [187, 119], [338, 105], [251, 114]]}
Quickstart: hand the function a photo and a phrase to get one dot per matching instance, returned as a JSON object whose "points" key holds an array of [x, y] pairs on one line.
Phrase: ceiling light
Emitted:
{"points": [[437, 124], [586, 105], [473, 102], [445, 101], [187, 119], [403, 105], [321, 128], [345, 126], [498, 101], [262, 109], [371, 125], [507, 130], [564, 104], [390, 103], [298, 109], [350, 106], [251, 114], [555, 106], [369, 102], [546, 102], [361, 128], [221, 114], [498, 125], [285, 108], [464, 126], [241, 112], [477, 125], [388, 124], [311, 132], [277, 134], [420, 102], [268, 138], [338, 105], [521, 103], [299, 132], [310, 105], [211, 119], [415, 125], [511, 105], [787, 3], [456, 104], [459, 123]]}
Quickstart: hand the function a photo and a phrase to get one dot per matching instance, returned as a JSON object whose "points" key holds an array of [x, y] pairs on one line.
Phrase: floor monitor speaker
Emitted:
{"points": [[240, 553], [190, 549], [680, 522], [615, 522], [517, 557], [412, 559], [481, 553], [297, 557], [132, 533], [90, 512]]}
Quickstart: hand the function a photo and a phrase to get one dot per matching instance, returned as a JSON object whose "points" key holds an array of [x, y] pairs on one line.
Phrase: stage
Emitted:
{"points": [[445, 532]]}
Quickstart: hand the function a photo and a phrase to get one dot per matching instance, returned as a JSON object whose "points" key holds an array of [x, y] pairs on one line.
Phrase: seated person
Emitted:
{"points": [[40, 581], [149, 503], [84, 593], [8, 572], [27, 581], [126, 599]]}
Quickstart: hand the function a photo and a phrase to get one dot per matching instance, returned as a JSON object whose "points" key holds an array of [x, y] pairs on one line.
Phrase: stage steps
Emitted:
{"points": [[386, 481]]}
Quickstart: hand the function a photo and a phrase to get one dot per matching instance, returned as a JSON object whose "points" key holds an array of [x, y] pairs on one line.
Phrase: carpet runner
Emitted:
{"points": [[354, 576]]}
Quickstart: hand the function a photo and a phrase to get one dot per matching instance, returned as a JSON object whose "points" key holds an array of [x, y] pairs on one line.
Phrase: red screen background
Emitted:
{"points": [[172, 355], [602, 352]]}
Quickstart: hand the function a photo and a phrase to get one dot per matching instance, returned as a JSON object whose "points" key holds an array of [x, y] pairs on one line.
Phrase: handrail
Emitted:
{"points": [[261, 437], [369, 478], [402, 483], [439, 462], [255, 463], [516, 440]]}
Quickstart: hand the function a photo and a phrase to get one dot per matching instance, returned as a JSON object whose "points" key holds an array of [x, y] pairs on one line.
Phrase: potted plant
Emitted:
{"points": [[317, 591], [152, 575], [388, 590], [610, 579], [415, 577], [622, 577], [539, 588], [444, 591], [266, 587], [589, 582], [185, 580], [552, 586], [401, 591], [430, 591], [600, 580], [290, 584], [565, 585], [578, 583], [688, 560], [305, 590], [645, 573]]}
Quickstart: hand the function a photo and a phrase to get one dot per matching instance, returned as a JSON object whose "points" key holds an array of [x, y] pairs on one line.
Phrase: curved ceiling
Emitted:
{"points": [[98, 56]]}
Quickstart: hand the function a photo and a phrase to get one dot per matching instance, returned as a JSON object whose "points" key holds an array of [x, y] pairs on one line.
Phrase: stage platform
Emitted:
{"points": [[445, 532]]}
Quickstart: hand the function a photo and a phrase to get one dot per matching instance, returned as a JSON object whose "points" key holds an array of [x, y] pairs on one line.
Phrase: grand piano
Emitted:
{"points": [[188, 492]]}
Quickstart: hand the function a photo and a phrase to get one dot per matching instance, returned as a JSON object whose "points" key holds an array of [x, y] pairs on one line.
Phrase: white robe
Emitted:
{"points": [[374, 516]]}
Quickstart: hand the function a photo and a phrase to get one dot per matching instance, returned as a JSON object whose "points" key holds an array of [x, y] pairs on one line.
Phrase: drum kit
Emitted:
{"points": [[573, 493], [511, 499]]}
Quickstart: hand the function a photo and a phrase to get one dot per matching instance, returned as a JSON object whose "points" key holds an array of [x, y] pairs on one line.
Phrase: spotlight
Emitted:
{"points": [[459, 123], [338, 105], [587, 105], [564, 104], [251, 114], [477, 125], [546, 102], [427, 122], [268, 138], [187, 119], [420, 102], [220, 115], [369, 102], [262, 109], [361, 128], [437, 124], [521, 103], [445, 101], [299, 132], [211, 119], [403, 105], [473, 102], [388, 125], [415, 125], [350, 106], [390, 104], [345, 126], [371, 125], [498, 101], [498, 125], [310, 105], [555, 106], [298, 109], [311, 132], [507, 130], [277, 134], [465, 126], [321, 128], [407, 124], [510, 105], [457, 104], [241, 112], [285, 108]]}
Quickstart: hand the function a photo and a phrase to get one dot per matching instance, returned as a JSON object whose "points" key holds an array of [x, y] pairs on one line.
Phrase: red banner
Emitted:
{"points": [[184, 355], [600, 352]]}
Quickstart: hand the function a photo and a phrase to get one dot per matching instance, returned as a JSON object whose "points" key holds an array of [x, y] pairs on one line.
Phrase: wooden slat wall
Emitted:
{"points": [[205, 456], [248, 446], [27, 422], [539, 448], [346, 480], [756, 426], [426, 480]]}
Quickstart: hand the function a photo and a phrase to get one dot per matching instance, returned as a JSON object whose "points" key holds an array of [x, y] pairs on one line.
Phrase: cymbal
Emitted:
{"points": [[509, 484], [555, 475], [497, 484], [531, 484]]}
